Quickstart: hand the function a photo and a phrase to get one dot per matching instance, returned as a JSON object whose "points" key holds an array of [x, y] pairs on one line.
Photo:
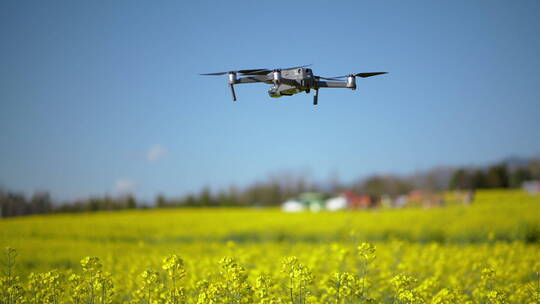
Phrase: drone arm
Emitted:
{"points": [[254, 79], [330, 84], [249, 79]]}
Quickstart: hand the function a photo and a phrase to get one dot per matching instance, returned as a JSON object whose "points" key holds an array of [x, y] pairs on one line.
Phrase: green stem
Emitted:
{"points": [[338, 286], [291, 289]]}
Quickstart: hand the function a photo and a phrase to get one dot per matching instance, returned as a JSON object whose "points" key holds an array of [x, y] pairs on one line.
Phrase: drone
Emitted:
{"points": [[290, 81]]}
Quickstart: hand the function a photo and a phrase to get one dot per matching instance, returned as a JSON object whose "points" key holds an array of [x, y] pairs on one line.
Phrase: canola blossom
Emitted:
{"points": [[488, 252]]}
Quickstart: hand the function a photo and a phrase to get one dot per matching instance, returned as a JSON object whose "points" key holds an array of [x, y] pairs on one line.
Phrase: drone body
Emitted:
{"points": [[290, 81]]}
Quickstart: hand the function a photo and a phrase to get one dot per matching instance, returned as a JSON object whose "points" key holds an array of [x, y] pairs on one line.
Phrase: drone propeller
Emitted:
{"points": [[243, 72], [296, 67], [232, 78], [266, 71], [254, 71], [363, 75]]}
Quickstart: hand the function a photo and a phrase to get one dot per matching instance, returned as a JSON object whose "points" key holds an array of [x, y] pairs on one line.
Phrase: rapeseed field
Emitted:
{"points": [[488, 252]]}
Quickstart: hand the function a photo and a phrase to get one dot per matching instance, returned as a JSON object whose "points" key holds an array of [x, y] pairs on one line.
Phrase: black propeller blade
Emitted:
{"points": [[254, 71], [214, 74], [244, 72], [297, 67], [363, 75], [258, 72], [266, 71]]}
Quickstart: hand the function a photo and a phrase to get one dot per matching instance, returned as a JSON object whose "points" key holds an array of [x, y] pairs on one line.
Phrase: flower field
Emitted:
{"points": [[488, 252]]}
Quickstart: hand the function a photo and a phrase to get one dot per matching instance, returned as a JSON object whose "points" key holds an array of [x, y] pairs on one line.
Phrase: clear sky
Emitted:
{"points": [[104, 96]]}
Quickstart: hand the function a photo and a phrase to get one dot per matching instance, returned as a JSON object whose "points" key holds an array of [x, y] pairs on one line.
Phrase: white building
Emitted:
{"points": [[336, 203], [292, 206]]}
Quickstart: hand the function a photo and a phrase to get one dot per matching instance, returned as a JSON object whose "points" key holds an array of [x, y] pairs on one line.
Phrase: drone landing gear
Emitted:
{"points": [[232, 91], [315, 96]]}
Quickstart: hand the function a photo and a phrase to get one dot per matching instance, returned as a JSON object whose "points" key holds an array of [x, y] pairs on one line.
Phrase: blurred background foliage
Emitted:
{"points": [[278, 188]]}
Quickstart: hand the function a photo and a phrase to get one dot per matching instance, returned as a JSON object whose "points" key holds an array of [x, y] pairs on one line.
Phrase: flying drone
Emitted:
{"points": [[290, 81]]}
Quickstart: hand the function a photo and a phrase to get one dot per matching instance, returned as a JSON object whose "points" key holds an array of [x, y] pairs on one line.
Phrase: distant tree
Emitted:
{"points": [[437, 179], [205, 197], [40, 203], [534, 169], [518, 176], [461, 180], [227, 198], [497, 176], [131, 203], [13, 204], [190, 201], [161, 201], [478, 179], [373, 185], [275, 195], [252, 195], [379, 185], [95, 204], [233, 196]]}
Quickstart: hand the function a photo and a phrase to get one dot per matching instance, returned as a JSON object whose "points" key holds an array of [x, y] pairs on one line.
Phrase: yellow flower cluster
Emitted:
{"points": [[487, 252]]}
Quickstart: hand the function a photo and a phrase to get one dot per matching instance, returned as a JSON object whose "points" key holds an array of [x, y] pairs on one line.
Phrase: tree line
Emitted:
{"points": [[497, 176], [276, 189], [17, 204]]}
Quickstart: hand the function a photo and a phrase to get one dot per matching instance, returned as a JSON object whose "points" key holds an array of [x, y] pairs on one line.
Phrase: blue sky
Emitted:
{"points": [[104, 96]]}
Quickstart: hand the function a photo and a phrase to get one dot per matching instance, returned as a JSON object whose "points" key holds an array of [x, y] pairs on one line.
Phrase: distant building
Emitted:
{"points": [[337, 203], [424, 198], [533, 187], [357, 201], [386, 201], [312, 200], [418, 195], [292, 206]]}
